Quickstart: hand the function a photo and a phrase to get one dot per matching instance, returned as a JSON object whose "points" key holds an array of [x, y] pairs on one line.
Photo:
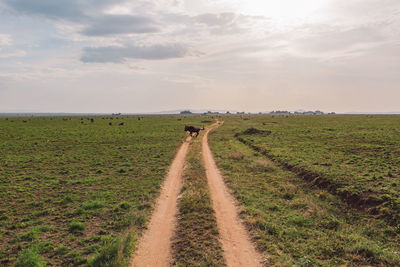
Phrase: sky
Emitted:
{"points": [[147, 56]]}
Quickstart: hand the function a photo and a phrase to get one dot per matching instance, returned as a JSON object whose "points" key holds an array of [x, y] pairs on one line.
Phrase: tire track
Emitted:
{"points": [[238, 249], [154, 249]]}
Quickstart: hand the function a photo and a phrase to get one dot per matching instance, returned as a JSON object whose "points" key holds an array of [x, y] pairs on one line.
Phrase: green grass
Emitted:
{"points": [[76, 228], [313, 190], [29, 258], [298, 221], [355, 157], [196, 241], [85, 187]]}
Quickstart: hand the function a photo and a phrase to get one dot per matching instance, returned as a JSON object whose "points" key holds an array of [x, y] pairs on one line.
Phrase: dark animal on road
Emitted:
{"points": [[192, 129]]}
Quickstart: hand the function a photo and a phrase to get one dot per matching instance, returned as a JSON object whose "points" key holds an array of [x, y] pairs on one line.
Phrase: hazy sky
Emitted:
{"points": [[244, 55]]}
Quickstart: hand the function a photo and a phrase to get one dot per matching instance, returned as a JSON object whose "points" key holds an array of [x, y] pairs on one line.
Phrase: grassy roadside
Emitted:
{"points": [[293, 222], [196, 240]]}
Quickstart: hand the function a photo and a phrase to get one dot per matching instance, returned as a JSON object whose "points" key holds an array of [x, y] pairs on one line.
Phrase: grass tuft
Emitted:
{"points": [[76, 228], [29, 258]]}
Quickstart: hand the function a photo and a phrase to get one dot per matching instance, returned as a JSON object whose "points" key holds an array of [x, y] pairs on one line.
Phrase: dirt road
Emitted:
{"points": [[238, 249], [154, 248]]}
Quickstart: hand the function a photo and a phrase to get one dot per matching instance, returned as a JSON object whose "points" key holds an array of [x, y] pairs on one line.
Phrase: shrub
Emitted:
{"points": [[257, 131]]}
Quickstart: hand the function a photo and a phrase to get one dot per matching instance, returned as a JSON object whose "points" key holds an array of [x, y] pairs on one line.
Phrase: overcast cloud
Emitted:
{"points": [[333, 55], [120, 24], [118, 54]]}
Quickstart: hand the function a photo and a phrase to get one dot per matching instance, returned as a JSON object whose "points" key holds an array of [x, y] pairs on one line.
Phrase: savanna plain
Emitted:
{"points": [[310, 190]]}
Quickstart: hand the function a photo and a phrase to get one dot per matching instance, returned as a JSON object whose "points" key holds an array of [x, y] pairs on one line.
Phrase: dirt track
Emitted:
{"points": [[155, 245], [238, 249]]}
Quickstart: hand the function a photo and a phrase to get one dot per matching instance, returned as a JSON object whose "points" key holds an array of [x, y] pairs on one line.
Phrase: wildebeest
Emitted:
{"points": [[121, 124], [192, 129]]}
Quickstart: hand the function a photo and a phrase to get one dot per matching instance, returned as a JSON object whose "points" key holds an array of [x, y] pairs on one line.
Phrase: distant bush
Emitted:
{"points": [[256, 131]]}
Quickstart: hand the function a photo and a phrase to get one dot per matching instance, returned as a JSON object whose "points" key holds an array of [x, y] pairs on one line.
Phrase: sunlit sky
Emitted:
{"points": [[159, 55]]}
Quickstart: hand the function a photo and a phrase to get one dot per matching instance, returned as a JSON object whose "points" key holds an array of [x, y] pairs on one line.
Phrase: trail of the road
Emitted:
{"points": [[238, 249], [154, 248]]}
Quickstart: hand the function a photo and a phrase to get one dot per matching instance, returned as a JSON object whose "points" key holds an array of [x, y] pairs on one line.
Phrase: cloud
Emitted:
{"points": [[70, 10], [6, 48], [117, 54], [120, 24], [63, 9], [327, 38], [222, 23], [225, 23], [364, 8], [5, 39], [92, 14], [12, 54], [221, 19]]}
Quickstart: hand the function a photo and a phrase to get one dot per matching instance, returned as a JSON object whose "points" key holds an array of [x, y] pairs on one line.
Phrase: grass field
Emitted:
{"points": [[312, 190], [316, 190], [355, 157], [77, 191]]}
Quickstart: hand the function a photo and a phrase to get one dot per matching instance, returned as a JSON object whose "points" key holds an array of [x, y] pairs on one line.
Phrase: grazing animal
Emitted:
{"points": [[110, 123], [121, 124], [192, 129]]}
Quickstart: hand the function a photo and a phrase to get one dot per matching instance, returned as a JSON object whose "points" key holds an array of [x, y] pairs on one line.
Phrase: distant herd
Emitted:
{"points": [[193, 131]]}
